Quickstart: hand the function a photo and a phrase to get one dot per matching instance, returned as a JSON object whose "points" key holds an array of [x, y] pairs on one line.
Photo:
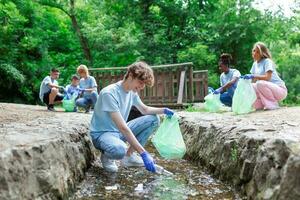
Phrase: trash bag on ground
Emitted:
{"points": [[212, 102], [244, 97], [168, 139], [69, 103]]}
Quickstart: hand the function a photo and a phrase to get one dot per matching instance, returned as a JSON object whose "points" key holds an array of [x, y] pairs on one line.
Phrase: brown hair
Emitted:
{"points": [[141, 71], [75, 77], [263, 50], [54, 70], [82, 69]]}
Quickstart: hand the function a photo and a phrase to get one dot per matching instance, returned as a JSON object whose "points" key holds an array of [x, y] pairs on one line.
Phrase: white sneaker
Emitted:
{"points": [[108, 164], [134, 160]]}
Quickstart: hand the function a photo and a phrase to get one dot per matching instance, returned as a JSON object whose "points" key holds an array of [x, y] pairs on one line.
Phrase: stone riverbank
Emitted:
{"points": [[43, 155], [257, 152]]}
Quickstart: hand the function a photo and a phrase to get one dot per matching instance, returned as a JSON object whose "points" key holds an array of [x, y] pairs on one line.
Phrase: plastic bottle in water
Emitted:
{"points": [[160, 170]]}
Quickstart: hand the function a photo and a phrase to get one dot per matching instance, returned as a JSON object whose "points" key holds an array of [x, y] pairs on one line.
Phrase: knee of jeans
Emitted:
{"points": [[77, 102], [118, 152], [94, 96], [155, 120], [80, 102]]}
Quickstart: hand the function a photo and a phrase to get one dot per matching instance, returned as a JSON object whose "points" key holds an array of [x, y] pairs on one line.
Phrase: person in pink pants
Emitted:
{"points": [[269, 87]]}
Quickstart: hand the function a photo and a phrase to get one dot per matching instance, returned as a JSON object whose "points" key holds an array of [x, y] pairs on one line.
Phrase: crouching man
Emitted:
{"points": [[109, 130], [49, 90]]}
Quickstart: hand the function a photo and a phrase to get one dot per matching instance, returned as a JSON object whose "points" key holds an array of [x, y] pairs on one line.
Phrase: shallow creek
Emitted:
{"points": [[188, 182]]}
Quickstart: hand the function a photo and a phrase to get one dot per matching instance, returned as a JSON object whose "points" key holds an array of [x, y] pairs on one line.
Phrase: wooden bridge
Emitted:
{"points": [[175, 85]]}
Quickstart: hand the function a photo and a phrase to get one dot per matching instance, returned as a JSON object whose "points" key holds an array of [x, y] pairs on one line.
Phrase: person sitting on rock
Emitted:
{"points": [[49, 90], [269, 87], [109, 130], [89, 87], [228, 80]]}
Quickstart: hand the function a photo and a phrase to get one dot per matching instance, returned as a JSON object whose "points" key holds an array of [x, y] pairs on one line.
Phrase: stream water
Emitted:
{"points": [[188, 182]]}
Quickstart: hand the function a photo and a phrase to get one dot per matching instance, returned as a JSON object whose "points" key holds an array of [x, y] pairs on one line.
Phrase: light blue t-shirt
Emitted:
{"points": [[44, 88], [232, 73], [263, 67], [112, 98], [72, 91], [89, 82]]}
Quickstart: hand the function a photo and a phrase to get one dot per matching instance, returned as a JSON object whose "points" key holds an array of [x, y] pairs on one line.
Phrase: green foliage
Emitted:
{"points": [[287, 60], [10, 76], [201, 57], [191, 108], [234, 152], [11, 80], [38, 35]]}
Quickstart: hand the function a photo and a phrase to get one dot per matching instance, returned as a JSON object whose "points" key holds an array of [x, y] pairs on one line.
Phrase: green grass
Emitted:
{"points": [[190, 108]]}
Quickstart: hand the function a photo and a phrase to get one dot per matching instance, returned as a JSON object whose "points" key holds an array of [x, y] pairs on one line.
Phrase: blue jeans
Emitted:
{"points": [[87, 101], [225, 97], [112, 144]]}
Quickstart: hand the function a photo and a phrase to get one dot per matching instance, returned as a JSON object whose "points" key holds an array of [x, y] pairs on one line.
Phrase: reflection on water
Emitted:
{"points": [[188, 182]]}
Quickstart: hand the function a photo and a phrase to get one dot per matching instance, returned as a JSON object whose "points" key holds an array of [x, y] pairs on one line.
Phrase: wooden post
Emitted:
{"points": [[181, 87], [191, 85]]}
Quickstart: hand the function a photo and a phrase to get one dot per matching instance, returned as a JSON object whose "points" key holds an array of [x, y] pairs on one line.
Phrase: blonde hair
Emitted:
{"points": [[264, 52], [141, 71], [82, 69]]}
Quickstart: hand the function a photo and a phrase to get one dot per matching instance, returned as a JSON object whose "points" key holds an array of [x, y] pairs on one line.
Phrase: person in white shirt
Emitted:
{"points": [[49, 90], [269, 87]]}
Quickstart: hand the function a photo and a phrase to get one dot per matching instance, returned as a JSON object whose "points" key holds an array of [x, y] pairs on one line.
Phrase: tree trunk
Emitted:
{"points": [[83, 40]]}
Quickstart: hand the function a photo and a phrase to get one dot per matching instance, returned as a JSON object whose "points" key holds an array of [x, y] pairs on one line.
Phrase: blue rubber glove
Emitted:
{"points": [[148, 161], [168, 112], [218, 91], [248, 76]]}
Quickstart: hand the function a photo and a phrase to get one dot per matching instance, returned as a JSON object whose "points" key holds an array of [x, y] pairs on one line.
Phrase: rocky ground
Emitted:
{"points": [[43, 155], [258, 152]]}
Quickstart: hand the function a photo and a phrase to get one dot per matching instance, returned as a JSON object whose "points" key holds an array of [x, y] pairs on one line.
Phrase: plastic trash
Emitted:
{"points": [[113, 187], [69, 104], [168, 139], [244, 97], [212, 102], [139, 188], [160, 170]]}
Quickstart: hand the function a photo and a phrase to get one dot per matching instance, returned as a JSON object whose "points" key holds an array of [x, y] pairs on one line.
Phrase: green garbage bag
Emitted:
{"points": [[69, 104], [212, 102], [244, 97], [168, 139]]}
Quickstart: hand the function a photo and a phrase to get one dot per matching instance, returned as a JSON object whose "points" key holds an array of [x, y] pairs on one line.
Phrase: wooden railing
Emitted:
{"points": [[175, 84]]}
